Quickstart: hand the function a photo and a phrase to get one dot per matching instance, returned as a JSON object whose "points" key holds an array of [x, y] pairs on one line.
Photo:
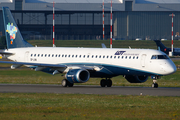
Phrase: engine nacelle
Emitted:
{"points": [[136, 79], [77, 76]]}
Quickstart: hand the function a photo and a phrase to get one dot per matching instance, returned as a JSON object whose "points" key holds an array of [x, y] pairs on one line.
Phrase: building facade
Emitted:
{"points": [[82, 19]]}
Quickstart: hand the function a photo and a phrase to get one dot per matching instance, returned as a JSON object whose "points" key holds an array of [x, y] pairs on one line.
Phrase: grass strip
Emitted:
{"points": [[77, 106]]}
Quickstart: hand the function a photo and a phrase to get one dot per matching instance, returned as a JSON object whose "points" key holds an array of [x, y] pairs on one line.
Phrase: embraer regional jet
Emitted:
{"points": [[79, 64]]}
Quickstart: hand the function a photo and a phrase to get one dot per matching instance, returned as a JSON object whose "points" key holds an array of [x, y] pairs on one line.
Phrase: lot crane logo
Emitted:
{"points": [[12, 30]]}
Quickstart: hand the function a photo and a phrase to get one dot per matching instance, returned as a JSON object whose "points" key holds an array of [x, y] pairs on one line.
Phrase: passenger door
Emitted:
{"points": [[143, 60]]}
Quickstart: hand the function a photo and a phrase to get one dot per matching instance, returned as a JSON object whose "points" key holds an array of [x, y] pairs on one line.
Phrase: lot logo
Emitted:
{"points": [[12, 30], [119, 52]]}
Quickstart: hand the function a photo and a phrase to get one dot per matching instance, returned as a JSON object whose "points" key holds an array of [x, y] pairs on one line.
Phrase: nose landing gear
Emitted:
{"points": [[155, 84]]}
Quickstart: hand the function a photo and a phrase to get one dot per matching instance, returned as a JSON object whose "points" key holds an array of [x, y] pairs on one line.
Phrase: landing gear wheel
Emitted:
{"points": [[70, 84], [154, 85], [64, 83], [103, 83], [109, 83]]}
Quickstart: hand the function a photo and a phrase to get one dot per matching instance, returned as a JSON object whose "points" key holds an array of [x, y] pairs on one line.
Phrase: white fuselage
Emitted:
{"points": [[129, 59]]}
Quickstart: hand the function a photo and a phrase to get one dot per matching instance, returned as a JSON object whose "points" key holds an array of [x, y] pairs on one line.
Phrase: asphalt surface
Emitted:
{"points": [[82, 89]]}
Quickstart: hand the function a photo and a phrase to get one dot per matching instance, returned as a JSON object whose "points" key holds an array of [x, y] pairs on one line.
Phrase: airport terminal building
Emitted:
{"points": [[82, 19]]}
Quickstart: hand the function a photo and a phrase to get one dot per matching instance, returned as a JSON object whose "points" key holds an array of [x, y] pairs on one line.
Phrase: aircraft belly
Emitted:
{"points": [[111, 71]]}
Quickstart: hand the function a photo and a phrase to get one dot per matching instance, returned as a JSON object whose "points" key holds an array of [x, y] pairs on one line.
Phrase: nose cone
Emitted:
{"points": [[169, 68]]}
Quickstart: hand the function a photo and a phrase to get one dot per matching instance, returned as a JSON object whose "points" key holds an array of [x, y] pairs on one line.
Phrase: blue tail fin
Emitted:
{"points": [[160, 45], [14, 38]]}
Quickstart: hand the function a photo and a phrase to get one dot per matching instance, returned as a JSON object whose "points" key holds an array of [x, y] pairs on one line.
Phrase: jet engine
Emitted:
{"points": [[136, 79], [77, 76]]}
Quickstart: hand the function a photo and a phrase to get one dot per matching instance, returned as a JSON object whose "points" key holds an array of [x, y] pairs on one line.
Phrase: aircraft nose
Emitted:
{"points": [[171, 68]]}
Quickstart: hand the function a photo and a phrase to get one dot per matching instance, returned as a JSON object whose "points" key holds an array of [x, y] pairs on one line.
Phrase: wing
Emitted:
{"points": [[50, 68], [35, 64]]}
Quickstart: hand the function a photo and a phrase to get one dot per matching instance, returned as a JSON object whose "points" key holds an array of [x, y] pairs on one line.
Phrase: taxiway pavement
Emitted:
{"points": [[83, 89]]}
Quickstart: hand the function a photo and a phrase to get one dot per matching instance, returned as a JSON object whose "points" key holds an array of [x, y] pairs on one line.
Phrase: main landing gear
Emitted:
{"points": [[66, 83], [106, 82]]}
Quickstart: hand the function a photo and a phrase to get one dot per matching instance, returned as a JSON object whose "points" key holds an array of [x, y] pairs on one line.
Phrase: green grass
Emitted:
{"points": [[97, 43], [94, 107]]}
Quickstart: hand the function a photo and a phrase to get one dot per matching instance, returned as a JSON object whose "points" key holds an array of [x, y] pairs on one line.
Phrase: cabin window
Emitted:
{"points": [[96, 56], [31, 55], [38, 55], [72, 55], [49, 55], [62, 55], [126, 57], [76, 56], [122, 57], [104, 56], [92, 56], [65, 55], [137, 57], [100, 56], [45, 55], [59, 55], [79, 56], [118, 57], [84, 56], [114, 56], [107, 56], [111, 57], [69, 55], [41, 55], [88, 56], [52, 55], [133, 57], [129, 57], [34, 55]]}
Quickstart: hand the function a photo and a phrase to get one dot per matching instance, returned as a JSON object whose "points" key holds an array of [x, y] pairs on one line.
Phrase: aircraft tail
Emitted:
{"points": [[160, 45], [14, 38]]}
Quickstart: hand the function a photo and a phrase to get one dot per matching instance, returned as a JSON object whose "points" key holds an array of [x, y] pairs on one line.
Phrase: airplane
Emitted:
{"points": [[79, 64], [163, 48]]}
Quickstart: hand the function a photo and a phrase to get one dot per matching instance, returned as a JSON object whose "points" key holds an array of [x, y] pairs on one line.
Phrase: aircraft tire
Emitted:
{"points": [[154, 85], [70, 84], [103, 83], [64, 83], [109, 83]]}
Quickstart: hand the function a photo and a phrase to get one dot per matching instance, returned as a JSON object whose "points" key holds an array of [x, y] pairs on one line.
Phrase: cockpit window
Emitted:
{"points": [[159, 57]]}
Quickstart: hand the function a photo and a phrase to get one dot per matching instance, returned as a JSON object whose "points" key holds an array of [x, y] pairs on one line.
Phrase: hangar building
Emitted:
{"points": [[82, 19]]}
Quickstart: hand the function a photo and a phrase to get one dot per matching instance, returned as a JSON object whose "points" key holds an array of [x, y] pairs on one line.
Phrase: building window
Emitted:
{"points": [[18, 4]]}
